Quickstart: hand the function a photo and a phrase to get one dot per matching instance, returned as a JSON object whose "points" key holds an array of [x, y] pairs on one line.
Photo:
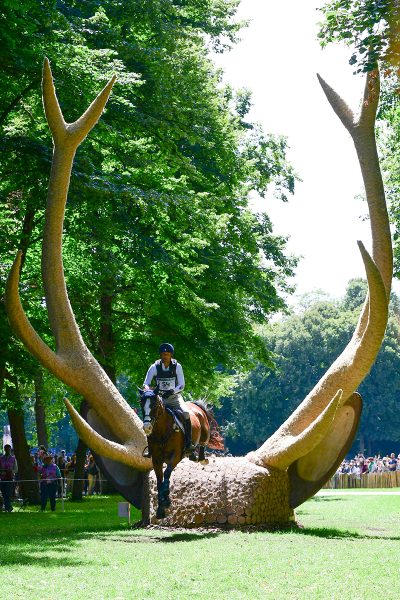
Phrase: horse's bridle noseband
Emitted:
{"points": [[147, 420]]}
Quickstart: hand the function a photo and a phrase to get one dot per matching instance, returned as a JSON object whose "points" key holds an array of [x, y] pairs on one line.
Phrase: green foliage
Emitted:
{"points": [[304, 345], [370, 27], [390, 152], [158, 230]]}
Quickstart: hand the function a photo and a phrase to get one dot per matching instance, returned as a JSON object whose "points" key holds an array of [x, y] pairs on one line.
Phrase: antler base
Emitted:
{"points": [[228, 491]]}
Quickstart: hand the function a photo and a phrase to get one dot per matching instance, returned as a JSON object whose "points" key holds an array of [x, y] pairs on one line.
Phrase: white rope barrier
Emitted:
{"points": [[62, 480]]}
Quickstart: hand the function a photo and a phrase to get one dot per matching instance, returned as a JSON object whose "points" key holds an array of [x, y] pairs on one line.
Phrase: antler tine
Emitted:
{"points": [[21, 324], [52, 108], [341, 108], [362, 131], [350, 368], [304, 428], [80, 128], [72, 362], [370, 101], [66, 139], [93, 381], [284, 453], [75, 132], [104, 447]]}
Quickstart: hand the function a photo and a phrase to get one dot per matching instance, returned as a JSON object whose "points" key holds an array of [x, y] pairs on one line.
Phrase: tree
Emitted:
{"points": [[303, 345], [158, 207], [369, 27]]}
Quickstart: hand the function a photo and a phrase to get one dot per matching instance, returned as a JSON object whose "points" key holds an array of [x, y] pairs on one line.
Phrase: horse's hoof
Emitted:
{"points": [[193, 457], [205, 461], [160, 513]]}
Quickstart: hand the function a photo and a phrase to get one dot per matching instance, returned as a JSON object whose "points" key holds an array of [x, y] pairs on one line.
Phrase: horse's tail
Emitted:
{"points": [[216, 441]]}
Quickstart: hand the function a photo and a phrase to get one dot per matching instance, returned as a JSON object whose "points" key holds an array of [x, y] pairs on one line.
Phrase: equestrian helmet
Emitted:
{"points": [[166, 348]]}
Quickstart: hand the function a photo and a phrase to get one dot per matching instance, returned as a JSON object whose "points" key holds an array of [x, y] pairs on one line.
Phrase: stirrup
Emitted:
{"points": [[146, 452]]}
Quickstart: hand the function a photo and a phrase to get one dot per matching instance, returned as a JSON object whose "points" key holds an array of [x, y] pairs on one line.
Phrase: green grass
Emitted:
{"points": [[348, 548]]}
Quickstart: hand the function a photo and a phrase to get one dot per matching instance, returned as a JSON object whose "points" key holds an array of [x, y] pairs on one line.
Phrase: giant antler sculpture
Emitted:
{"points": [[292, 464]]}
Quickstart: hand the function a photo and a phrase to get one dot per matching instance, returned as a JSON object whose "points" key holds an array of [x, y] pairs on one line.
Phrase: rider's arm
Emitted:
{"points": [[152, 372], [180, 379]]}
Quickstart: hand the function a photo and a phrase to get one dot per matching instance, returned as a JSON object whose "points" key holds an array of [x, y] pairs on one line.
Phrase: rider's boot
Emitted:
{"points": [[188, 451]]}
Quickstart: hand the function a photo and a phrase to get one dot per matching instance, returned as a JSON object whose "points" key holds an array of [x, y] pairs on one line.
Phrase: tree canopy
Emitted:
{"points": [[159, 240], [369, 27], [304, 345]]}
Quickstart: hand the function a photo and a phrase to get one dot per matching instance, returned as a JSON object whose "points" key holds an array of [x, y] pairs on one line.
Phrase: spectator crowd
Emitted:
{"points": [[359, 465], [55, 471], [67, 464]]}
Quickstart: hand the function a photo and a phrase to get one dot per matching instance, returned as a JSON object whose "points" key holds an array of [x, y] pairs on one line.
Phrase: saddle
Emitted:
{"points": [[178, 418]]}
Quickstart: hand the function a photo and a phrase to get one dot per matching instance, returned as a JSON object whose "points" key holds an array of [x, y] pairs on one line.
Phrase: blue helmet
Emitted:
{"points": [[166, 348]]}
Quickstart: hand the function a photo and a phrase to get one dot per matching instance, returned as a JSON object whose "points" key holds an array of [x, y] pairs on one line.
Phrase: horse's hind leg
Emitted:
{"points": [[202, 457]]}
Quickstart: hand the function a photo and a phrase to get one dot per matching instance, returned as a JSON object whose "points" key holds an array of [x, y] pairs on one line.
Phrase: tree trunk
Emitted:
{"points": [[106, 348], [106, 357], [2, 377], [29, 487], [77, 486], [40, 412]]}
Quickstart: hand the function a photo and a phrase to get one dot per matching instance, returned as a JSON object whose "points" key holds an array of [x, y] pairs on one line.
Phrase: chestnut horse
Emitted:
{"points": [[166, 440]]}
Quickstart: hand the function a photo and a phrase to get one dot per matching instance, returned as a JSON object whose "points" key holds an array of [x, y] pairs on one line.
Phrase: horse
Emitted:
{"points": [[166, 440]]}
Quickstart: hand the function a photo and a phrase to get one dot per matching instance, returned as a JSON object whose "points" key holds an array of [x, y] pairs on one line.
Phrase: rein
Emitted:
{"points": [[155, 420]]}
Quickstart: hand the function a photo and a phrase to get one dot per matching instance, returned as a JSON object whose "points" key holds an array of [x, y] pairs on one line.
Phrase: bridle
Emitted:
{"points": [[155, 407]]}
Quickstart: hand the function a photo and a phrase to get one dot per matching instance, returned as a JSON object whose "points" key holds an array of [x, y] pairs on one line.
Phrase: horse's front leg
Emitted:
{"points": [[158, 469], [165, 485], [174, 459]]}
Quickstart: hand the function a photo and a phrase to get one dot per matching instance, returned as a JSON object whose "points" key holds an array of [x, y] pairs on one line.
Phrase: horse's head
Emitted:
{"points": [[151, 404]]}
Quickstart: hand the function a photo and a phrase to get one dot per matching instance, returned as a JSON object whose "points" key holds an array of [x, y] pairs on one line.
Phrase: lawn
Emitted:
{"points": [[348, 548]]}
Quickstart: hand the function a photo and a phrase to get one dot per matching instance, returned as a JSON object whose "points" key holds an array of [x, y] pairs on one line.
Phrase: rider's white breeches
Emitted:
{"points": [[176, 401]]}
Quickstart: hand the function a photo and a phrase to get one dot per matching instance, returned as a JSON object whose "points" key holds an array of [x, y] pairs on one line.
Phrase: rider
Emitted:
{"points": [[170, 380]]}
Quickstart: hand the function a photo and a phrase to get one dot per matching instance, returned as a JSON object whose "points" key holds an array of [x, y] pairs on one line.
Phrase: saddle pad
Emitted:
{"points": [[177, 415]]}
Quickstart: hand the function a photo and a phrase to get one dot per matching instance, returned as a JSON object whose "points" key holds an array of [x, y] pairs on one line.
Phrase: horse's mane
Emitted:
{"points": [[216, 441]]}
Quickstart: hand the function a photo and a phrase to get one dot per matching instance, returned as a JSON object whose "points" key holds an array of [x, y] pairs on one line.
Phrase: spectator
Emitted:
{"points": [[49, 474], [85, 474], [62, 465], [70, 472], [92, 474], [363, 466], [345, 467], [8, 469], [392, 462], [41, 454]]}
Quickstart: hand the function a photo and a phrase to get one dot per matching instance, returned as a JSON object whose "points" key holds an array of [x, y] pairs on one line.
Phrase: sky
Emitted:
{"points": [[278, 58]]}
